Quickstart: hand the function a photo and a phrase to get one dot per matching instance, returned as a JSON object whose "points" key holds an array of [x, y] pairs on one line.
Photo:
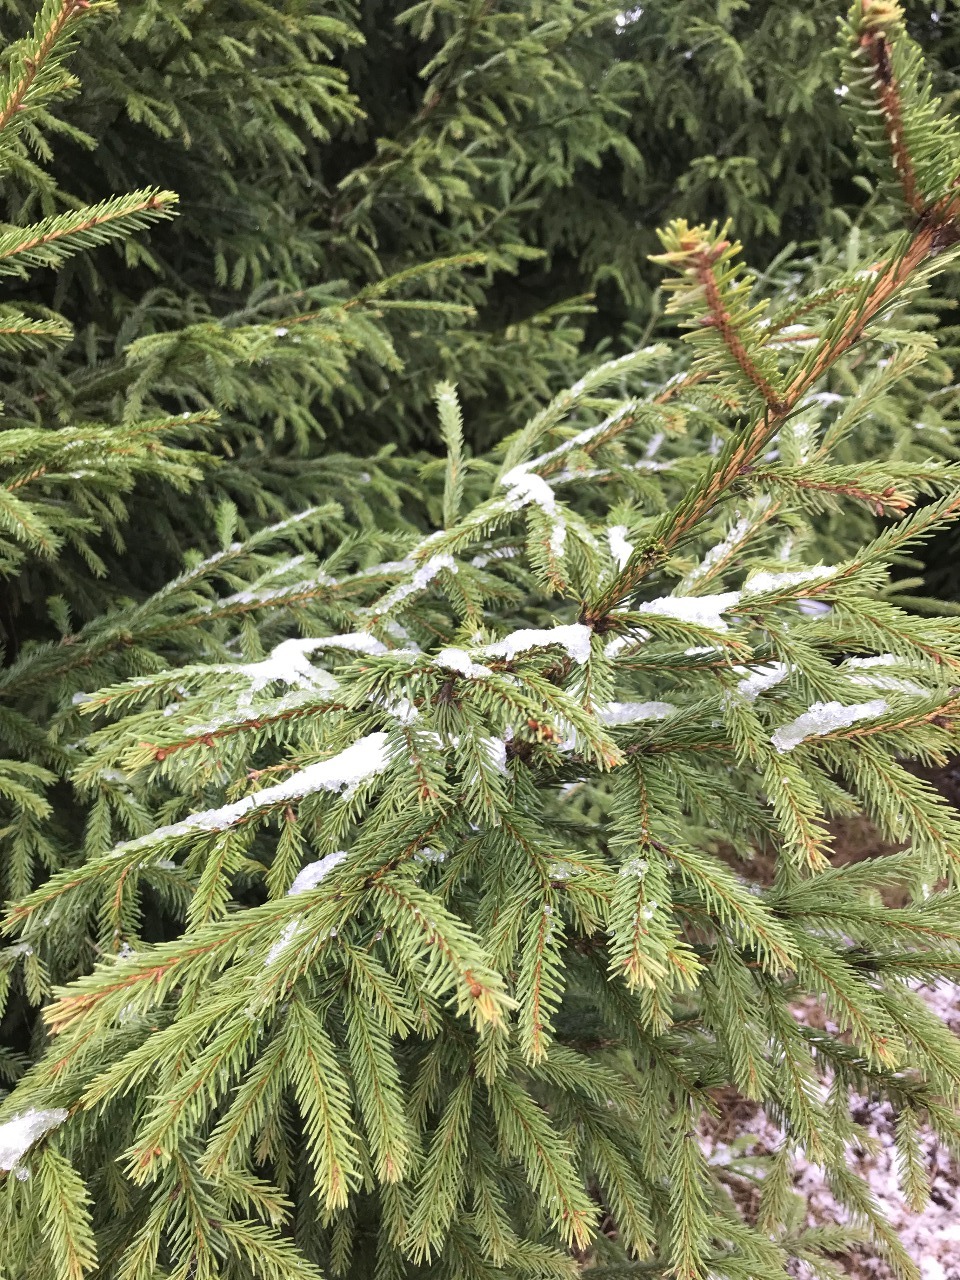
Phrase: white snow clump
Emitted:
{"points": [[764, 581], [310, 876], [705, 611], [21, 1131], [574, 637], [825, 717], [460, 661], [620, 548], [760, 679], [614, 713]]}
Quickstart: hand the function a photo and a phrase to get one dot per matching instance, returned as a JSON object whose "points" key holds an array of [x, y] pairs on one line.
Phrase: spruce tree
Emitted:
{"points": [[393, 929]]}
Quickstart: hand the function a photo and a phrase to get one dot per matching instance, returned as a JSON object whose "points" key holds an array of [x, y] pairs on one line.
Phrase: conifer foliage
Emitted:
{"points": [[393, 928]]}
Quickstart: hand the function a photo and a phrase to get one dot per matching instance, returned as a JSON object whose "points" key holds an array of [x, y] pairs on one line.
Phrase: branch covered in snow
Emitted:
{"points": [[574, 637]]}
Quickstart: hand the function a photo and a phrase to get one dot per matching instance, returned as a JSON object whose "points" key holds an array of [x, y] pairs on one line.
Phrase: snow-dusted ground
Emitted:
{"points": [[931, 1237]]}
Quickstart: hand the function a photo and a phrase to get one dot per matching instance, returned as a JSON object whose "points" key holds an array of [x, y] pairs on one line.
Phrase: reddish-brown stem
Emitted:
{"points": [[876, 47], [889, 500], [99, 220], [721, 320], [69, 10]]}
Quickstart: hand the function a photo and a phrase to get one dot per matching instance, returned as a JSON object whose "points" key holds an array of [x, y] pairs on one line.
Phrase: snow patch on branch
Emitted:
{"points": [[716, 555], [264, 535], [21, 1131], [582, 438], [703, 611], [764, 582], [878, 660], [614, 713], [366, 758], [310, 876], [420, 580], [288, 663], [256, 595], [893, 684], [287, 935], [496, 750], [568, 475], [736, 534], [620, 548], [307, 878], [822, 398], [558, 538], [825, 717], [575, 638], [761, 679], [357, 641], [525, 488], [460, 661], [497, 553]]}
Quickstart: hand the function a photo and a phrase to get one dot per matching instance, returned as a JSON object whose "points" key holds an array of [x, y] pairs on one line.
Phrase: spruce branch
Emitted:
{"points": [[19, 332], [920, 250], [875, 20], [51, 242], [34, 75], [914, 139], [711, 285]]}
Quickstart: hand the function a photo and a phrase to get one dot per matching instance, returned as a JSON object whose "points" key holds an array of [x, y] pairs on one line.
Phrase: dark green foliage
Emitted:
{"points": [[312, 143]]}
